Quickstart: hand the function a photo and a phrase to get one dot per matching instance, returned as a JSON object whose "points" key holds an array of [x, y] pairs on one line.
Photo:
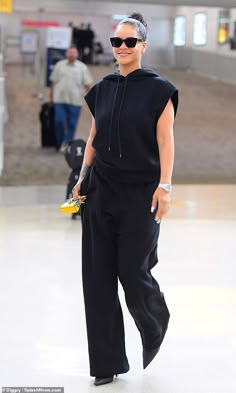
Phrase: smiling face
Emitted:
{"points": [[128, 56]]}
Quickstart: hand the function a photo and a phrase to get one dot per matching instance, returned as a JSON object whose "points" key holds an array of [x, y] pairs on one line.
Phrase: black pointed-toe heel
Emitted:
{"points": [[103, 380], [148, 356]]}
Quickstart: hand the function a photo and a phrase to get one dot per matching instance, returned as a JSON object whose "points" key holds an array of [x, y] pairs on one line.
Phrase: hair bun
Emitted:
{"points": [[139, 17]]}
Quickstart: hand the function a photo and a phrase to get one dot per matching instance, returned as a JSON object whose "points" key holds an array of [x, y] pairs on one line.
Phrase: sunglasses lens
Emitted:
{"points": [[116, 42], [130, 42]]}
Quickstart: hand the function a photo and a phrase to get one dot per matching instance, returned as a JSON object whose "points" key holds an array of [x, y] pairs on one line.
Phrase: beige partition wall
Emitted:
{"points": [[3, 113]]}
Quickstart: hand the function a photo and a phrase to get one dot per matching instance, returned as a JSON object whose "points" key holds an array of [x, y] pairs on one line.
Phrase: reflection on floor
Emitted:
{"points": [[43, 336]]}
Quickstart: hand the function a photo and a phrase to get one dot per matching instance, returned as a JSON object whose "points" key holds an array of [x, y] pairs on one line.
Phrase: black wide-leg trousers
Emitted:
{"points": [[119, 242]]}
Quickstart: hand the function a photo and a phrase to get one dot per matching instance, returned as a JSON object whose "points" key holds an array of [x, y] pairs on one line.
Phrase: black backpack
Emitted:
{"points": [[74, 153]]}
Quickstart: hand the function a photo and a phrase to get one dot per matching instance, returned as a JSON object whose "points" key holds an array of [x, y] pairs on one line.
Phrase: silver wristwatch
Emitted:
{"points": [[166, 186]]}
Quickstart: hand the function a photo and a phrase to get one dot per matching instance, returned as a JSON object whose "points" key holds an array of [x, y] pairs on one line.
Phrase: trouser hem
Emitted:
{"points": [[108, 373]]}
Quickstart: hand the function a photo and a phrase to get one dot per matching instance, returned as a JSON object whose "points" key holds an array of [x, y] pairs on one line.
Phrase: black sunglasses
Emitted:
{"points": [[130, 42]]}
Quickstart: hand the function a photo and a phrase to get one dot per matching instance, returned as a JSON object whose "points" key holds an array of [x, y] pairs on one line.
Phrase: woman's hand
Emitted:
{"points": [[161, 197], [76, 193]]}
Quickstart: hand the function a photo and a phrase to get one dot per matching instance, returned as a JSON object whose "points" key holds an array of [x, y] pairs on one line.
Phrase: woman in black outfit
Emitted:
{"points": [[126, 181]]}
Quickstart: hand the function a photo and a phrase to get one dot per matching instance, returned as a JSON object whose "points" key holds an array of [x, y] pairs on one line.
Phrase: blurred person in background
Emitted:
{"points": [[125, 181], [80, 40], [70, 79], [89, 38]]}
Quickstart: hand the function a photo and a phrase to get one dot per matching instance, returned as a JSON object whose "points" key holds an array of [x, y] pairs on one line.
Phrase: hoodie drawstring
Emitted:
{"points": [[118, 125], [112, 112]]}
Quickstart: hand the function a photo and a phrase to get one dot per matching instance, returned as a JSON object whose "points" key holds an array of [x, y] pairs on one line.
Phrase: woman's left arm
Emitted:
{"points": [[165, 141]]}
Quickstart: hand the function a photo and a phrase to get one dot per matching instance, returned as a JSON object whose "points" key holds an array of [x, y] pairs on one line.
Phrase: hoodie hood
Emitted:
{"points": [[134, 75]]}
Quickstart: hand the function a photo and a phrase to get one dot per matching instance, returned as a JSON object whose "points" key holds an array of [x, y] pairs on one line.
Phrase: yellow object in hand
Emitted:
{"points": [[71, 205]]}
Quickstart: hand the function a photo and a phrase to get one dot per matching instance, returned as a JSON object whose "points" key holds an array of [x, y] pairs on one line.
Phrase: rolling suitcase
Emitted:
{"points": [[46, 117]]}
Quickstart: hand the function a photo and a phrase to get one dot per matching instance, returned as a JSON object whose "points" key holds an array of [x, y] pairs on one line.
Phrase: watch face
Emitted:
{"points": [[166, 187]]}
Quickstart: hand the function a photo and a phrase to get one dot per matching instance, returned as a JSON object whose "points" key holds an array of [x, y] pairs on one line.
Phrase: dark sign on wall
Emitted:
{"points": [[53, 56]]}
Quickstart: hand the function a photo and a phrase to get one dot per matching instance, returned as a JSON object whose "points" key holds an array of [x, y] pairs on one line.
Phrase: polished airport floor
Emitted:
{"points": [[43, 336]]}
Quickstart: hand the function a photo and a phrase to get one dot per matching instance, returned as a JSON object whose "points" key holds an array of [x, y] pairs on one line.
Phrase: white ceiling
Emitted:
{"points": [[196, 3], [90, 6]]}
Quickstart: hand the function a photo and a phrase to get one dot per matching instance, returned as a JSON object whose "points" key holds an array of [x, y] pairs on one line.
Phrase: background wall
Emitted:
{"points": [[213, 60], [99, 14]]}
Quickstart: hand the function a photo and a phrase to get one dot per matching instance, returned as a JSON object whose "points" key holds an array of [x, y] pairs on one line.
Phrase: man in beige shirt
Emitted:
{"points": [[70, 79]]}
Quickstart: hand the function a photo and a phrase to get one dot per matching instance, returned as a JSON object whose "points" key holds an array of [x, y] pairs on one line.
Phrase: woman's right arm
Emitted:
{"points": [[89, 155]]}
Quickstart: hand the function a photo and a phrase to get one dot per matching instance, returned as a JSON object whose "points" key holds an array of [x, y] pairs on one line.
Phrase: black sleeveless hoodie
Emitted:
{"points": [[126, 112]]}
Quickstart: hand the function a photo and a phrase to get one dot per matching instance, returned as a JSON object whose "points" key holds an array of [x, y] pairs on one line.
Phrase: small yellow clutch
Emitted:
{"points": [[71, 205]]}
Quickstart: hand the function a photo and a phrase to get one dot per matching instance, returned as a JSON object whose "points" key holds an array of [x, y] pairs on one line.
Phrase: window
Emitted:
{"points": [[200, 28], [223, 27], [179, 31]]}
